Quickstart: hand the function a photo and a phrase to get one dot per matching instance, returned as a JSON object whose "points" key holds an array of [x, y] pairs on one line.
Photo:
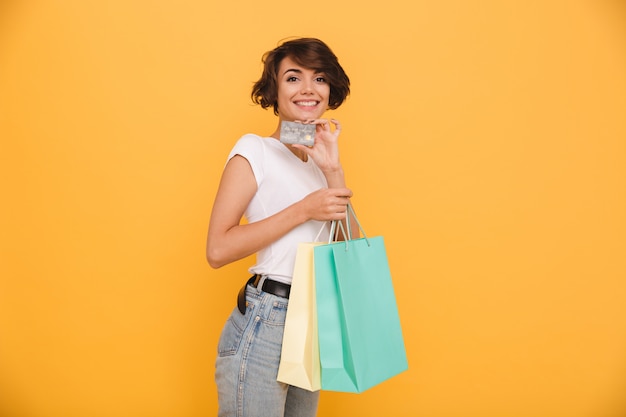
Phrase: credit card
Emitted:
{"points": [[297, 133]]}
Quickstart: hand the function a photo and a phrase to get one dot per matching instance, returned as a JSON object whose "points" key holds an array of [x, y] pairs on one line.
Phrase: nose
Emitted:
{"points": [[307, 87]]}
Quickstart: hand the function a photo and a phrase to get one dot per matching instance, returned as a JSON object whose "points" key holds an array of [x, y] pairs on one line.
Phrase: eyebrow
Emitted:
{"points": [[293, 70], [298, 71]]}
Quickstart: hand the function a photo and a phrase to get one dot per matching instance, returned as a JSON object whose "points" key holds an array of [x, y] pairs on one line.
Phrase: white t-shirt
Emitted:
{"points": [[282, 179]]}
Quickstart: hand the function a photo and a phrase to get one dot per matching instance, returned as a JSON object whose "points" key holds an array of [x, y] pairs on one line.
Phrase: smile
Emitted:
{"points": [[307, 103]]}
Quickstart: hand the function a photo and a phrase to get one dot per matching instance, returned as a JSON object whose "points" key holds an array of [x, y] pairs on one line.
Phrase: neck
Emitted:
{"points": [[297, 152]]}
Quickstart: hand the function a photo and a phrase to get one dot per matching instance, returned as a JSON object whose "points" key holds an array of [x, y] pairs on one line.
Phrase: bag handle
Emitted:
{"points": [[351, 210], [320, 232], [347, 237], [334, 231]]}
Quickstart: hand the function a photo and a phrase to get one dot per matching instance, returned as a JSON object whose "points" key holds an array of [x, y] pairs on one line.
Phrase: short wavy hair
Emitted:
{"points": [[310, 53]]}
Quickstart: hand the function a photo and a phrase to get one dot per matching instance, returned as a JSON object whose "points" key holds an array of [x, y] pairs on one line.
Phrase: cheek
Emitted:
{"points": [[280, 98], [325, 92], [285, 93]]}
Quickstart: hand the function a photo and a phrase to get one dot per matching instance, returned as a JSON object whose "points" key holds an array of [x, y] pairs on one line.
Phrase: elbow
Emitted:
{"points": [[213, 257]]}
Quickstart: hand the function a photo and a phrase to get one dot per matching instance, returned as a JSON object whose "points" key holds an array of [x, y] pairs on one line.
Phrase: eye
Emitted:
{"points": [[292, 79], [320, 79]]}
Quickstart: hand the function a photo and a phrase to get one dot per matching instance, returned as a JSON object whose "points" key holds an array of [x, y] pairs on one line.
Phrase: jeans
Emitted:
{"points": [[247, 363]]}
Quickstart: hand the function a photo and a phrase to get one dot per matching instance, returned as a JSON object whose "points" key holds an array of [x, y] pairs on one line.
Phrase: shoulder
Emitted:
{"points": [[253, 148], [250, 138], [247, 144]]}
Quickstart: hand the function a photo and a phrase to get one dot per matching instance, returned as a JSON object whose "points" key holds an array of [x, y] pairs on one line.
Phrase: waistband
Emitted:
{"points": [[268, 285]]}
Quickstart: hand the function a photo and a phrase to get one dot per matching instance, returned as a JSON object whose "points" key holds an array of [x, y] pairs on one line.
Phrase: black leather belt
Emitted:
{"points": [[270, 286]]}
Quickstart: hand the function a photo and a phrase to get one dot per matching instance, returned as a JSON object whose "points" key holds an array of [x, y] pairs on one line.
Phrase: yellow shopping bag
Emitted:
{"points": [[300, 360]]}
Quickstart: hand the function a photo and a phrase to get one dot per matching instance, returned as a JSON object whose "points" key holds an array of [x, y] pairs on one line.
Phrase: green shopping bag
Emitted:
{"points": [[359, 333]]}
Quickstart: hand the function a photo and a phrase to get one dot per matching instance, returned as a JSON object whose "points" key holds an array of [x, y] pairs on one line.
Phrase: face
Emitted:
{"points": [[302, 93]]}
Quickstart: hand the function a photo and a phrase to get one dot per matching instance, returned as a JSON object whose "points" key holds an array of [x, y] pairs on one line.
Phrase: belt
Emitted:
{"points": [[269, 286]]}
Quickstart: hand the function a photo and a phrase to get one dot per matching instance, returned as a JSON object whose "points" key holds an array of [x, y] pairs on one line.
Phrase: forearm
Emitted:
{"points": [[244, 240], [336, 179]]}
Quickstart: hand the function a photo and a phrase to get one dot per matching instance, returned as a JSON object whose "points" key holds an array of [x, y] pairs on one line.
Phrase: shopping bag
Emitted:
{"points": [[299, 360], [360, 337]]}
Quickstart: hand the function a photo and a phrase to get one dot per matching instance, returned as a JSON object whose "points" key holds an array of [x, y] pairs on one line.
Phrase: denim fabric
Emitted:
{"points": [[247, 363]]}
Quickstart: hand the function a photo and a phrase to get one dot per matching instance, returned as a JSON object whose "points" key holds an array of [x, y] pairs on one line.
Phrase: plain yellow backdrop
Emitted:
{"points": [[486, 141]]}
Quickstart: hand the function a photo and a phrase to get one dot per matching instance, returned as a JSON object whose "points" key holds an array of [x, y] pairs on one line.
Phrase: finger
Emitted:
{"points": [[321, 122], [336, 123], [340, 204], [342, 192]]}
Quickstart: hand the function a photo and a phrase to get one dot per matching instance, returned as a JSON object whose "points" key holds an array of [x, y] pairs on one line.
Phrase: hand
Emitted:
{"points": [[327, 204], [325, 151]]}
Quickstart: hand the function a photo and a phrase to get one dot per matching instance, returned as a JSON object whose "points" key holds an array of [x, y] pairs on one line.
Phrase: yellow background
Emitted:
{"points": [[485, 140]]}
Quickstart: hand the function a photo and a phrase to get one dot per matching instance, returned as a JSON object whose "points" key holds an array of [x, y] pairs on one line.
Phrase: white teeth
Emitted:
{"points": [[306, 103]]}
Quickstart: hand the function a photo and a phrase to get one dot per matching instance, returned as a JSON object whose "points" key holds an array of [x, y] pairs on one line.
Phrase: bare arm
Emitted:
{"points": [[229, 241], [325, 153]]}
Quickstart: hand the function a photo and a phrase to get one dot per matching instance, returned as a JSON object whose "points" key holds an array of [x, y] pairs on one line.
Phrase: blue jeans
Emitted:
{"points": [[247, 363]]}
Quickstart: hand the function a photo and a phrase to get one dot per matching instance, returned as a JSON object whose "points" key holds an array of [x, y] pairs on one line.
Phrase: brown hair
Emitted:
{"points": [[311, 53]]}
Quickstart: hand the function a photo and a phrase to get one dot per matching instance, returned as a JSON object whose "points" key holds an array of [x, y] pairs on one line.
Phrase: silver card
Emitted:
{"points": [[292, 132]]}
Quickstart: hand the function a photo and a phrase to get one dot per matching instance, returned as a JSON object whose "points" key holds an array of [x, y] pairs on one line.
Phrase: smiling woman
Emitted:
{"points": [[288, 193], [491, 155], [302, 93], [310, 54]]}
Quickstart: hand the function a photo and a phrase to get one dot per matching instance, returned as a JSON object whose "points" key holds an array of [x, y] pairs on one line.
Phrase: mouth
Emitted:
{"points": [[306, 103]]}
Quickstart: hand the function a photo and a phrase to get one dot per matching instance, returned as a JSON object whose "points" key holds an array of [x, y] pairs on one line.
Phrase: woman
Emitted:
{"points": [[288, 194]]}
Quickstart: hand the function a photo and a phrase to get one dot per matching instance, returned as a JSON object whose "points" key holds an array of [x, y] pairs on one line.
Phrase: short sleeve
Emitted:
{"points": [[251, 147]]}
